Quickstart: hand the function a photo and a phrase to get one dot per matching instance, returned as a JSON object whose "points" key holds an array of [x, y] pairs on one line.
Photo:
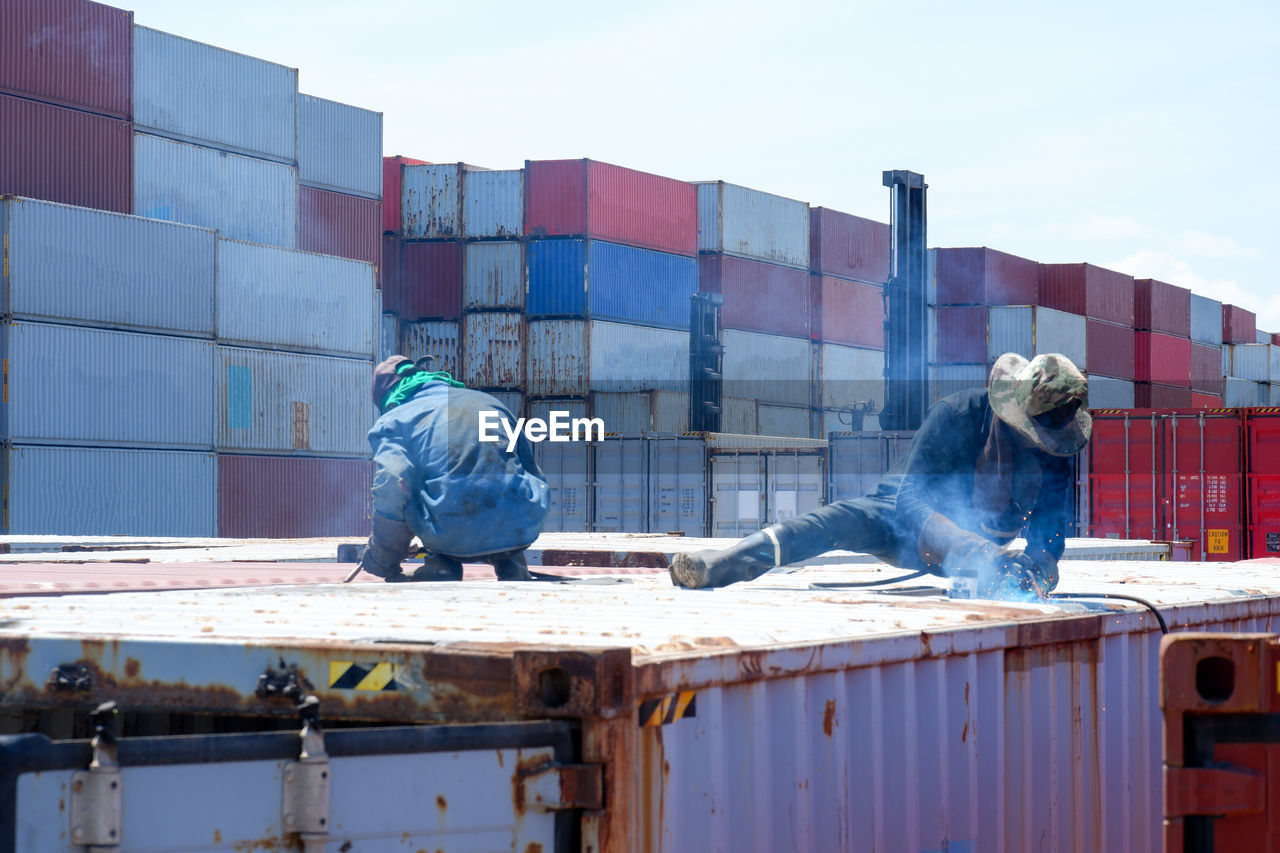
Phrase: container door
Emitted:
{"points": [[795, 485], [1264, 482], [1125, 484], [1205, 485], [858, 461], [565, 465], [737, 493], [677, 485], [453, 788], [621, 502]]}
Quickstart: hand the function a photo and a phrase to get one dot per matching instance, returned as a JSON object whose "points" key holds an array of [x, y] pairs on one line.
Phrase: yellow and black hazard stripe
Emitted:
{"points": [[668, 709], [347, 675]]}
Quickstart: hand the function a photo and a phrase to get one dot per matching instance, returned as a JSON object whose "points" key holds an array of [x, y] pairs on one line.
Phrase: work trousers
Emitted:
{"points": [[868, 525]]}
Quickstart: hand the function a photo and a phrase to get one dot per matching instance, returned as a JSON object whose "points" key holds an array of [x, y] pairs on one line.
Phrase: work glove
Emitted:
{"points": [[944, 544], [388, 546]]}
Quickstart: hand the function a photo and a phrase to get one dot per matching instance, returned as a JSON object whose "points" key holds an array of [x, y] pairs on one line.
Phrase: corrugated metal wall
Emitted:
{"points": [[493, 273], [493, 350], [439, 339], [339, 147], [431, 201], [493, 204], [752, 224], [293, 497], [771, 368]]}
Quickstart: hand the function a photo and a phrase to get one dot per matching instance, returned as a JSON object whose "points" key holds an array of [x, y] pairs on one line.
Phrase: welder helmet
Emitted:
{"points": [[386, 375], [1045, 399]]}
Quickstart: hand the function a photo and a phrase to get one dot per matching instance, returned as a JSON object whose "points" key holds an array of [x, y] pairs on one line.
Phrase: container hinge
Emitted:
{"points": [[553, 787], [285, 682], [70, 676], [96, 794], [1218, 791], [306, 783]]}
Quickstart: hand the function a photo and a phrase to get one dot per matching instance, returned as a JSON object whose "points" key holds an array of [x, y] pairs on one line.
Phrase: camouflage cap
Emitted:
{"points": [[385, 377], [1045, 399]]}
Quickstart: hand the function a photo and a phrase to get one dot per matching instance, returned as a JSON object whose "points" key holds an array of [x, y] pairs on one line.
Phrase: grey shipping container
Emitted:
{"points": [[513, 400], [788, 421], [739, 415], [339, 147], [388, 336], [74, 264], [1261, 337], [752, 489], [493, 274], [571, 358], [1108, 393], [81, 386], [948, 379], [1031, 330], [242, 197], [1206, 320], [857, 461], [843, 420], [619, 496], [283, 402], [431, 200], [641, 411], [493, 350], [284, 299], [109, 491], [1243, 392], [769, 368], [204, 94], [541, 407], [848, 375], [493, 204], [566, 467], [677, 484], [439, 339], [1259, 362], [752, 224]]}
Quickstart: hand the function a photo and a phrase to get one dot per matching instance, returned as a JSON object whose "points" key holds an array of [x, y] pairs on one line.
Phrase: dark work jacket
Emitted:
{"points": [[460, 496], [938, 473]]}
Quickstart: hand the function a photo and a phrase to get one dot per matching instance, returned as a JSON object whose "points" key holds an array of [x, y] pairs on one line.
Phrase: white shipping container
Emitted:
{"points": [[1108, 393], [787, 421], [431, 200], [570, 358], [493, 274], [1261, 337], [542, 408], [948, 379], [283, 402], [769, 368], [195, 91], [439, 339], [243, 198], [493, 204], [1206, 320], [1244, 392], [99, 491], [78, 385], [513, 400], [1258, 362], [739, 416], [339, 147], [850, 375], [64, 263], [670, 412], [493, 350], [752, 224], [1031, 330], [285, 299], [388, 336], [664, 412]]}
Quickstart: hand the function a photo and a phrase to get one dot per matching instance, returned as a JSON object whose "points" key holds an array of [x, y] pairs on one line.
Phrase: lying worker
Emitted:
{"points": [[984, 466], [464, 499]]}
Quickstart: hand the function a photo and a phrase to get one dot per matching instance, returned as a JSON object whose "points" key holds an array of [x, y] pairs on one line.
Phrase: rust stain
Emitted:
{"points": [[524, 767], [441, 802], [62, 804], [534, 847], [132, 666], [653, 804], [263, 844], [217, 836], [829, 717], [964, 735]]}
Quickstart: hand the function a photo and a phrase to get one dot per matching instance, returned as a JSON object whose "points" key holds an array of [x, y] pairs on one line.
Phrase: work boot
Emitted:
{"points": [[438, 567], [745, 561], [510, 566]]}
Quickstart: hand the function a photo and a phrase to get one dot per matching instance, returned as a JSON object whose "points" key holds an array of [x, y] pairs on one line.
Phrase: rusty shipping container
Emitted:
{"points": [[1095, 292], [292, 497], [68, 52], [571, 358], [982, 276], [1206, 368], [493, 349], [848, 246], [431, 200], [797, 719], [1161, 307], [962, 334], [758, 296], [58, 154], [338, 224], [493, 277], [1155, 395], [392, 187], [440, 339]]}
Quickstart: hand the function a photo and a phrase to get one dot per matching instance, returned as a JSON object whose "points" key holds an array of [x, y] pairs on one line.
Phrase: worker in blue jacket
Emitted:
{"points": [[465, 499]]}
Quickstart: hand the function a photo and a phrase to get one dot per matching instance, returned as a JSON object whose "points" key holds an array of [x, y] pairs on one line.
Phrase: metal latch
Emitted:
{"points": [[553, 787], [95, 807], [306, 783], [1218, 791], [284, 681], [70, 676]]}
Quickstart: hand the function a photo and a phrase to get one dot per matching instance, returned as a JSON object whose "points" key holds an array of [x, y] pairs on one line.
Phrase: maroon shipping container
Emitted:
{"points": [[1160, 307], [1109, 349], [292, 497], [1153, 395], [339, 224], [390, 274], [982, 276], [1095, 292], [848, 246], [1205, 401], [56, 154], [962, 334], [587, 198], [1206, 368], [1163, 359], [69, 52], [1275, 338], [1238, 325], [758, 297], [846, 312], [392, 172], [430, 281]]}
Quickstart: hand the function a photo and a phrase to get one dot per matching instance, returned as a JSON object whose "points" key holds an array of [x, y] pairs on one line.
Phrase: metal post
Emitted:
{"points": [[1203, 488], [906, 328]]}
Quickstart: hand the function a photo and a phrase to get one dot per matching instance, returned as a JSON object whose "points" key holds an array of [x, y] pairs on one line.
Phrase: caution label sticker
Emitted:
{"points": [[1217, 541], [668, 709], [347, 675]]}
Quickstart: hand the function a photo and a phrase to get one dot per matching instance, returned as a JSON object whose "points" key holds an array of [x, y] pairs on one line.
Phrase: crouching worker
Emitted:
{"points": [[463, 498], [984, 466]]}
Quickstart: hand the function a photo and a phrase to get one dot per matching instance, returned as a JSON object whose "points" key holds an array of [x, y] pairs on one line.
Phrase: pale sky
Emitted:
{"points": [[1140, 136]]}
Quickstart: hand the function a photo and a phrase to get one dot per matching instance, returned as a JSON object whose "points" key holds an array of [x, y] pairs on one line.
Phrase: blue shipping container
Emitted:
{"points": [[608, 281]]}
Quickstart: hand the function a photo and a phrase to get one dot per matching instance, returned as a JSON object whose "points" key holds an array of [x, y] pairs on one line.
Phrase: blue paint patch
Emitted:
{"points": [[165, 213], [953, 847], [239, 397]]}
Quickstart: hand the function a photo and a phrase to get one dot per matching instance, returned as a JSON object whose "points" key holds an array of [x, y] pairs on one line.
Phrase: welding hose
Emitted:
{"points": [[1085, 596], [865, 584]]}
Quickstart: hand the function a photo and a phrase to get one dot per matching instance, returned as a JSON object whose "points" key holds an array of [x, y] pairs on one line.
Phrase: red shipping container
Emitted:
{"points": [[1205, 401], [339, 224], [1160, 307], [1109, 349], [848, 246], [392, 175], [292, 497], [73, 157], [982, 276], [1263, 426], [391, 274], [1238, 325], [846, 312], [1275, 338], [962, 334], [1153, 395], [431, 281], [1163, 359], [1206, 368], [758, 297], [1095, 292], [69, 52], [1124, 497], [587, 198]]}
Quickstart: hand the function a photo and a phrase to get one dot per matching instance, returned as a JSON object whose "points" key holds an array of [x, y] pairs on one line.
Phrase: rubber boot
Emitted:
{"points": [[438, 567], [510, 566], [745, 561]]}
